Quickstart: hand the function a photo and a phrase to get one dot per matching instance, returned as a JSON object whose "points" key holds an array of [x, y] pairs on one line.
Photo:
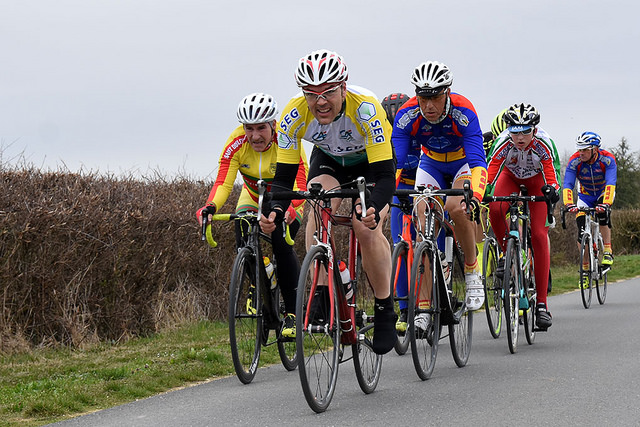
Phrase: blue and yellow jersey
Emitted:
{"points": [[456, 137], [239, 156], [596, 178], [361, 133]]}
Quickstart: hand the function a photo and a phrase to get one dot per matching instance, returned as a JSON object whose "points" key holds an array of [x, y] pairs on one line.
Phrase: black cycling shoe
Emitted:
{"points": [[384, 326], [543, 317], [319, 311], [500, 269]]}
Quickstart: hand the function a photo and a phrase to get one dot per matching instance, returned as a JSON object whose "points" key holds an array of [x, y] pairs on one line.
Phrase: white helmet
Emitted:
{"points": [[257, 108], [321, 66], [431, 78], [588, 140]]}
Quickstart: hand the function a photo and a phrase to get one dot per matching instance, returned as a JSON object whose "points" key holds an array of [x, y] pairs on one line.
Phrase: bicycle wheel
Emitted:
{"points": [[492, 286], [511, 282], [424, 346], [245, 316], [461, 329], [286, 346], [601, 282], [317, 331], [398, 266], [529, 312], [366, 362], [586, 285]]}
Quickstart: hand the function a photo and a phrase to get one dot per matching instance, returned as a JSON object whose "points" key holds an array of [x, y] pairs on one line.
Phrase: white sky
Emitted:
{"points": [[125, 86]]}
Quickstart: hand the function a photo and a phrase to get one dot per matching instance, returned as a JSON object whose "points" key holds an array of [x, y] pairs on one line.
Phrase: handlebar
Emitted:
{"points": [[523, 198], [586, 210], [465, 191]]}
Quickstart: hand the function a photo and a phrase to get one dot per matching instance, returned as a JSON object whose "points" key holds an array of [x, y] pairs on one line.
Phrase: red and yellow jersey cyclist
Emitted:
{"points": [[252, 150], [446, 126], [526, 155], [596, 171]]}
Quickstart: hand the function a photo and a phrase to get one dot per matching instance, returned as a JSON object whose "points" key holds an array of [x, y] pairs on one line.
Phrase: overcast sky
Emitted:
{"points": [[125, 86]]}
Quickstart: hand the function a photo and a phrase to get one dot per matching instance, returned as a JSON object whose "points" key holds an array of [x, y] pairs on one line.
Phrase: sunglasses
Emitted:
{"points": [[315, 96], [524, 132]]}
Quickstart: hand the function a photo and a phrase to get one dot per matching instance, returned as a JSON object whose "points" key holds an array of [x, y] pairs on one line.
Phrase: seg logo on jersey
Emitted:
{"points": [[286, 143], [289, 119], [366, 111]]}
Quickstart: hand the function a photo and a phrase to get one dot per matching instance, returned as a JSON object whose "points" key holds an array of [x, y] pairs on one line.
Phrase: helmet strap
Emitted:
{"points": [[445, 113]]}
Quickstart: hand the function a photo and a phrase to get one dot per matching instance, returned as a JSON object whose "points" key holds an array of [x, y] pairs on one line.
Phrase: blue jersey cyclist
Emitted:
{"points": [[351, 138], [405, 180], [596, 171], [446, 126]]}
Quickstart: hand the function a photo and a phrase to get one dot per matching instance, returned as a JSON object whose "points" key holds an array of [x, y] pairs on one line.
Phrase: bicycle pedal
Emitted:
{"points": [[539, 329]]}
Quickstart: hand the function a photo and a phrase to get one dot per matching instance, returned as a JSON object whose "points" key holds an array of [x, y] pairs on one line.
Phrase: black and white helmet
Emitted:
{"points": [[520, 117], [257, 108], [321, 66], [431, 78]]}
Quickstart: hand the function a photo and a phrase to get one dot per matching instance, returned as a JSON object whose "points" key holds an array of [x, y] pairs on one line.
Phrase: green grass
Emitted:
{"points": [[48, 385]]}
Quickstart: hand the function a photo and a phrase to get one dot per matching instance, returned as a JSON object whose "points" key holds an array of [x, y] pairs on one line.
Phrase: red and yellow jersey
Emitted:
{"points": [[239, 156]]}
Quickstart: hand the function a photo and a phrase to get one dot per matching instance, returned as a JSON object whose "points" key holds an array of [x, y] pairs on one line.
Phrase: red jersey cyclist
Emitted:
{"points": [[525, 155], [446, 126], [596, 171], [351, 138], [252, 150]]}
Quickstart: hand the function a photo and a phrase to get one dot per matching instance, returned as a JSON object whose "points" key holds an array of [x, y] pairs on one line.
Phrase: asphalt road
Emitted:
{"points": [[584, 371]]}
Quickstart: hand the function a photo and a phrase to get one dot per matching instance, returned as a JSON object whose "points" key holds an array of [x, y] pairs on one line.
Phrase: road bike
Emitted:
{"points": [[592, 273], [255, 306], [517, 266], [333, 317], [401, 263], [442, 274]]}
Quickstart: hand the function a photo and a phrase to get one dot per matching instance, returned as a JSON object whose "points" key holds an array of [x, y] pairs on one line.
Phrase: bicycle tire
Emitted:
{"points": [[317, 342], [585, 249], [531, 296], [424, 349], [399, 255], [601, 282], [245, 326], [286, 346], [461, 331], [492, 286], [511, 282], [367, 363]]}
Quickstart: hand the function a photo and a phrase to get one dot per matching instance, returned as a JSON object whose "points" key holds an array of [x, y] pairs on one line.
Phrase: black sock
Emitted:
{"points": [[384, 326]]}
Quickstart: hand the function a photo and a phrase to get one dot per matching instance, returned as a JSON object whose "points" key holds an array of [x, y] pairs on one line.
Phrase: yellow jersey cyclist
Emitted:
{"points": [[351, 138], [446, 125], [252, 150]]}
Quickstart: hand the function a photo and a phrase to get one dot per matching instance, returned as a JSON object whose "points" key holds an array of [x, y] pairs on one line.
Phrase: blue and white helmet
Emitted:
{"points": [[587, 140]]}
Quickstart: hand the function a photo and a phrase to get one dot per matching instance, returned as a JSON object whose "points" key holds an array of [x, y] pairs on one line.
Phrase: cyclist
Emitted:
{"points": [[446, 126], [252, 150], [596, 171], [351, 138], [526, 155], [405, 180]]}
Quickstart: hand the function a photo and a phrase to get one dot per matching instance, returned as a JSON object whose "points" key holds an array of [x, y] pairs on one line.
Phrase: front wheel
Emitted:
{"points": [[424, 342], [601, 283], [492, 287], [461, 329], [399, 290], [511, 282], [317, 330], [530, 296], [245, 316], [586, 266]]}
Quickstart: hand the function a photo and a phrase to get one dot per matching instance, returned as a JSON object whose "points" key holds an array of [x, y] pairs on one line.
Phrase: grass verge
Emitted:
{"points": [[48, 385]]}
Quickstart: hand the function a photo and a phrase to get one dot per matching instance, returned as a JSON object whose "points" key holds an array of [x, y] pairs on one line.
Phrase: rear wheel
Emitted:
{"points": [[492, 287], [601, 283], [286, 346], [424, 346], [460, 331], [367, 363], [586, 284], [511, 304], [317, 331], [245, 316], [400, 296]]}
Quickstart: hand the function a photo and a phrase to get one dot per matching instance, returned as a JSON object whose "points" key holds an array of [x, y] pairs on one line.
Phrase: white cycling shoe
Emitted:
{"points": [[475, 291]]}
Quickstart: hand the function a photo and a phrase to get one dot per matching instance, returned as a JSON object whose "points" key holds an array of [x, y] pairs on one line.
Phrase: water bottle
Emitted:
{"points": [[268, 266], [448, 248], [345, 276]]}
